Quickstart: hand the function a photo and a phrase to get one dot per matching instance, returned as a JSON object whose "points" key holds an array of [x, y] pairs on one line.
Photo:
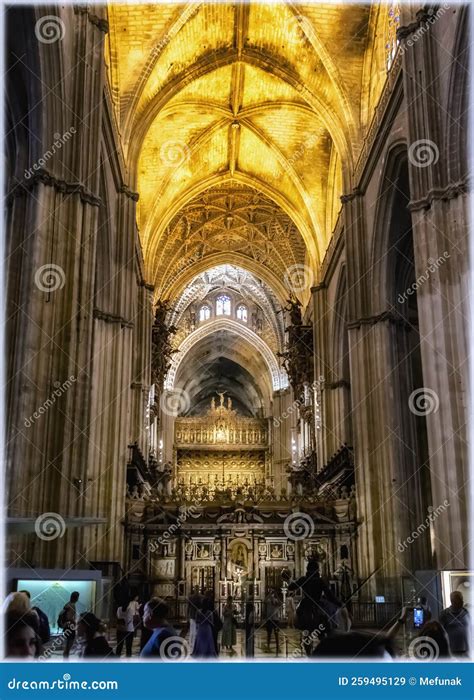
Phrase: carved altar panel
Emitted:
{"points": [[220, 469], [220, 427]]}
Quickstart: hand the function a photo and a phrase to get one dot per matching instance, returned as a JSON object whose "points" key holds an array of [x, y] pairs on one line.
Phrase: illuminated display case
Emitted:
{"points": [[50, 590]]}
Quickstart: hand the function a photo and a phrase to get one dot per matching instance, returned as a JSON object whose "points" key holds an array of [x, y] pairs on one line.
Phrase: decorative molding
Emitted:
{"points": [[148, 286], [450, 191], [346, 198], [338, 384], [424, 17], [389, 316], [112, 318], [125, 189], [99, 22], [22, 187]]}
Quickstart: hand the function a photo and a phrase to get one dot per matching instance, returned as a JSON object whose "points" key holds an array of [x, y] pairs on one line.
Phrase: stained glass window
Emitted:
{"points": [[223, 305], [204, 313], [242, 313]]}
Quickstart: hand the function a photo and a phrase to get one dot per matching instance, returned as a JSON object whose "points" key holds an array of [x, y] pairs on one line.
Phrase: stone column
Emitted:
{"points": [[54, 309], [439, 209]]}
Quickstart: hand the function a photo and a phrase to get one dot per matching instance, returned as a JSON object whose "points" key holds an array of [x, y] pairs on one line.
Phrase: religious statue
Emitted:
{"points": [[229, 403], [213, 404], [221, 396], [294, 309], [276, 552]]}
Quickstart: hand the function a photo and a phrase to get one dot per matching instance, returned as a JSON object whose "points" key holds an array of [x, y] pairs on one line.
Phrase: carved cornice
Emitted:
{"points": [[338, 384], [129, 193], [385, 316], [450, 191], [100, 22], [345, 198], [425, 16], [147, 285], [23, 187], [112, 318]]}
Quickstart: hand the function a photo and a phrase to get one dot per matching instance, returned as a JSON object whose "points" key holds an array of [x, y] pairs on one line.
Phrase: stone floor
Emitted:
{"points": [[289, 642]]}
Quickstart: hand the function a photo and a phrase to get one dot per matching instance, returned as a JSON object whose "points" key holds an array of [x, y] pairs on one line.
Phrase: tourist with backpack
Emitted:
{"points": [[44, 631]]}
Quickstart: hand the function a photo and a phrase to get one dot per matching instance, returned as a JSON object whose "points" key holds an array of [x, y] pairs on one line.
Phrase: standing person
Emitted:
{"points": [[249, 630], [290, 611], [204, 645], [154, 617], [67, 621], [43, 626], [145, 633], [90, 631], [456, 622], [229, 629], [272, 619], [125, 627], [194, 606], [309, 615]]}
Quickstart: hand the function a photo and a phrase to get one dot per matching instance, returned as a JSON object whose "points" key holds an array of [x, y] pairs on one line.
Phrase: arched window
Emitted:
{"points": [[242, 313], [392, 41], [204, 313], [223, 305]]}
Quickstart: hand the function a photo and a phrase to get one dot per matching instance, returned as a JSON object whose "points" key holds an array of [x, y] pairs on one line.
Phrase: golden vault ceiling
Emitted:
{"points": [[223, 105]]}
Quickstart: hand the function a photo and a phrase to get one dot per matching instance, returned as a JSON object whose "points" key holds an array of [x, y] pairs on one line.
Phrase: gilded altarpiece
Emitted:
{"points": [[221, 449]]}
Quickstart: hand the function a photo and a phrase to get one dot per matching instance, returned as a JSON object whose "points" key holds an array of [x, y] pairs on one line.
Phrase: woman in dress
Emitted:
{"points": [[205, 645], [229, 629]]}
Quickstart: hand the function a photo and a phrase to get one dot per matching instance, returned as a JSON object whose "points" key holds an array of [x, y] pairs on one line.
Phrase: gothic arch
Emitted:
{"points": [[340, 341], [278, 376], [381, 280]]}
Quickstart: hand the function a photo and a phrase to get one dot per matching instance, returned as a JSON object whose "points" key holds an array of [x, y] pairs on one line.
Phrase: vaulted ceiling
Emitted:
{"points": [[240, 123], [268, 97]]}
